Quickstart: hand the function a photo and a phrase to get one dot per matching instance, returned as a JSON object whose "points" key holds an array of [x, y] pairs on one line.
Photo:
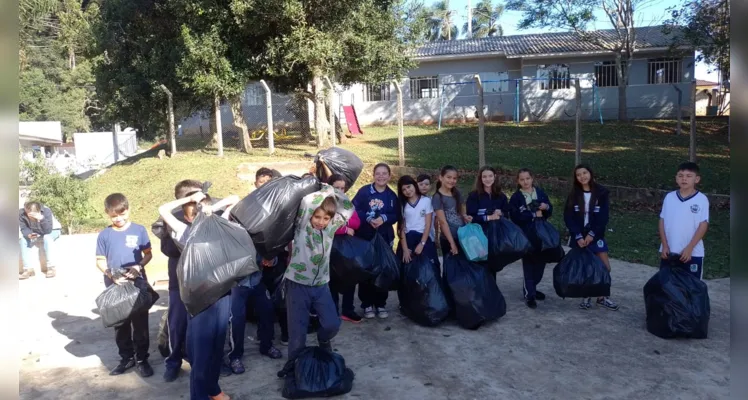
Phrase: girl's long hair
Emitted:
{"points": [[495, 188], [576, 196], [454, 191], [403, 181]]}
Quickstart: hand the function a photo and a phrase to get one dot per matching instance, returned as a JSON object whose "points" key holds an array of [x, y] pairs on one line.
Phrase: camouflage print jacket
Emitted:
{"points": [[310, 257]]}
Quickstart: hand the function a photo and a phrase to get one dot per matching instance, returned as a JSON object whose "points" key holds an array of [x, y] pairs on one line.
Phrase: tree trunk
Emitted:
{"points": [[237, 107], [218, 132], [170, 120], [71, 57], [320, 119]]}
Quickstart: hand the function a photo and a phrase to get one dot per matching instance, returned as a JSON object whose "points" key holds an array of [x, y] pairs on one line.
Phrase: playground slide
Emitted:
{"points": [[352, 121]]}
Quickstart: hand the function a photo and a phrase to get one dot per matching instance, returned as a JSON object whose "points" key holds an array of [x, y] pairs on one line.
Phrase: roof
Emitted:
{"points": [[702, 82], [540, 44], [42, 132]]}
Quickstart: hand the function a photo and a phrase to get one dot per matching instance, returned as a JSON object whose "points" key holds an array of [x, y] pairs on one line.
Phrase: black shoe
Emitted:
{"points": [[144, 369], [123, 366], [171, 374], [325, 345], [539, 295], [531, 303], [226, 370], [272, 352]]}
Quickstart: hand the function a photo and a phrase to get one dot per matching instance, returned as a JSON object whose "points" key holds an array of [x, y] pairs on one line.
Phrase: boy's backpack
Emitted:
{"points": [[316, 372]]}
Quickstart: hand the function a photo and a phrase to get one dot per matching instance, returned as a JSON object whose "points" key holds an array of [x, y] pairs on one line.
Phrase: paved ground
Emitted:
{"points": [[554, 352]]}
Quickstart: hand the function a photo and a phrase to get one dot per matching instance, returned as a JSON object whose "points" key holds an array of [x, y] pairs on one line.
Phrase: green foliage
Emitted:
{"points": [[440, 20], [486, 18]]}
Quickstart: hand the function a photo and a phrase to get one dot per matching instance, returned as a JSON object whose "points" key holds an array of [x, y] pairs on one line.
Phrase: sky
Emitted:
{"points": [[653, 14]]}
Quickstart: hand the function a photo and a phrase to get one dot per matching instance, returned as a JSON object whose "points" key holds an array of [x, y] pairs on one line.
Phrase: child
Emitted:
{"points": [[586, 216], [684, 221], [206, 330], [348, 312], [527, 203], [379, 206], [306, 279], [39, 228], [415, 223], [265, 175], [450, 213], [122, 251], [487, 202], [424, 187]]}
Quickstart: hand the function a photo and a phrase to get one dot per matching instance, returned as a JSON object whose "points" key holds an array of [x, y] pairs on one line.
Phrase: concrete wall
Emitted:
{"points": [[97, 148]]}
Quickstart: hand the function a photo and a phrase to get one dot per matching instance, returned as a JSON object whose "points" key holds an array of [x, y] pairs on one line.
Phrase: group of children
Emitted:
{"points": [[423, 219]]}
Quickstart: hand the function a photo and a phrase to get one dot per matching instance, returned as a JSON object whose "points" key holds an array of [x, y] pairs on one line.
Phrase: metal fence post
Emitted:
{"points": [[578, 128], [219, 127], [400, 128], [269, 110], [481, 124], [330, 97], [692, 144], [115, 142]]}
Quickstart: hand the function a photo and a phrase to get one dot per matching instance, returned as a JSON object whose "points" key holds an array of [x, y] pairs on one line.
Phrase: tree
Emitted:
{"points": [[485, 20], [577, 16], [441, 22]]}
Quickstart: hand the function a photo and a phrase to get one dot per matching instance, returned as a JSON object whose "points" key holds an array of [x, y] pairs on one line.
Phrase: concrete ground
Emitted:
{"points": [[554, 352]]}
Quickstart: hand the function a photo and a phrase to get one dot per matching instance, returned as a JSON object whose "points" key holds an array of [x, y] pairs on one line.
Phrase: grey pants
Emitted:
{"points": [[299, 301]]}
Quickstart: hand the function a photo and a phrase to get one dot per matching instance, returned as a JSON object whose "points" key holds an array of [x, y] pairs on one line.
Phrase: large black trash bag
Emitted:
{"points": [[339, 161], [279, 294], [269, 213], [581, 274], [163, 336], [316, 373], [677, 304], [475, 295], [218, 255], [388, 265], [543, 235], [421, 292], [352, 261], [506, 243], [118, 302]]}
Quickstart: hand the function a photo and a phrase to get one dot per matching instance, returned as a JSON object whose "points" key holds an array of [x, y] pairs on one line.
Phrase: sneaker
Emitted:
{"points": [[26, 274], [220, 396], [273, 353], [539, 295], [325, 345], [351, 316], [531, 303], [171, 374], [607, 303], [382, 312], [144, 369], [237, 367], [51, 273], [369, 313], [123, 366], [284, 341], [226, 370], [586, 304]]}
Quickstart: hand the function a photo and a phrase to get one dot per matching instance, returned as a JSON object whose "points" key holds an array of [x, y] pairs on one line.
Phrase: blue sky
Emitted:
{"points": [[653, 14]]}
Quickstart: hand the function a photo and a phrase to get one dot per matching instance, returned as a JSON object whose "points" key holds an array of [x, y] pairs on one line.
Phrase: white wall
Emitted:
{"points": [[97, 148]]}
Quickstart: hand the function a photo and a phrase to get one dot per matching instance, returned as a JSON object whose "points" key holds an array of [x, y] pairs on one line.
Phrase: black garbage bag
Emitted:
{"points": [[316, 373], [118, 302], [279, 294], [339, 161], [543, 236], [218, 254], [421, 292], [388, 265], [475, 295], [163, 336], [352, 261], [581, 274], [677, 304], [506, 243], [269, 213]]}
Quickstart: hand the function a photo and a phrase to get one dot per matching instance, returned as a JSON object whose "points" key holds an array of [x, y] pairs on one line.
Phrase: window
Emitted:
{"points": [[554, 76], [494, 82], [424, 87], [255, 95], [664, 70], [606, 74], [377, 92]]}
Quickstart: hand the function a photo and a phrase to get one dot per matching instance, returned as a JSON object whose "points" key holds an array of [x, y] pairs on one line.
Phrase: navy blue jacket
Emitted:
{"points": [[480, 206], [29, 226], [598, 216], [521, 213], [371, 204]]}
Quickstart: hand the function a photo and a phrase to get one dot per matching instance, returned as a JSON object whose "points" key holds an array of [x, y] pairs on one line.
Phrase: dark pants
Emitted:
{"points": [[299, 302], [533, 271], [132, 337], [207, 334], [177, 325], [271, 278], [372, 296], [238, 321], [348, 306], [695, 267]]}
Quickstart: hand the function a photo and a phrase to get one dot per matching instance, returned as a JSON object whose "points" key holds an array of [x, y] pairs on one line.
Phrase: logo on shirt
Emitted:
{"points": [[695, 208], [600, 243], [423, 213], [131, 241], [374, 206]]}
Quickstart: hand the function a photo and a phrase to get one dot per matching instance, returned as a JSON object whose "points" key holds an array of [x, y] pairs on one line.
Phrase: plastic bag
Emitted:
{"points": [[339, 161], [218, 255], [581, 274], [506, 243], [543, 236], [118, 302], [677, 304], [352, 261], [421, 293], [473, 242], [269, 213], [475, 295], [316, 373], [388, 265], [163, 336]]}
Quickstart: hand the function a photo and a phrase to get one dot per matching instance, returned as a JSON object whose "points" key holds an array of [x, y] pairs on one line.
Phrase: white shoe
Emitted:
{"points": [[369, 313], [382, 312]]}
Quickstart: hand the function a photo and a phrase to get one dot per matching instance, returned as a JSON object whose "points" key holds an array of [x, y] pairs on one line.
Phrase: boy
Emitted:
{"points": [[684, 221], [122, 251], [265, 175]]}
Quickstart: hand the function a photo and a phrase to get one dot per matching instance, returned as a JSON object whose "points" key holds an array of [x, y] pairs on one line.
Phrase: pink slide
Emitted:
{"points": [[352, 121]]}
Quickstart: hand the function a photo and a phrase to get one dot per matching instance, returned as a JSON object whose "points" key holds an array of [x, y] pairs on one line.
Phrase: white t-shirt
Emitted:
{"points": [[180, 238], [415, 214], [682, 217], [587, 198]]}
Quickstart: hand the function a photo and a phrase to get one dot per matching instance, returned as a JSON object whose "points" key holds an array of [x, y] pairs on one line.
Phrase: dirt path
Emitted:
{"points": [[554, 352]]}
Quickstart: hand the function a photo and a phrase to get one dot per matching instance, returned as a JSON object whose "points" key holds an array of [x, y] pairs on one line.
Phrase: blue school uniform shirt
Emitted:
{"points": [[371, 204], [480, 206], [597, 210], [123, 248], [520, 211]]}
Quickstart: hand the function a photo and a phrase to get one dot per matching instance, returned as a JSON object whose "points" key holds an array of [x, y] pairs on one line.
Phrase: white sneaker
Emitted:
{"points": [[369, 313], [382, 312]]}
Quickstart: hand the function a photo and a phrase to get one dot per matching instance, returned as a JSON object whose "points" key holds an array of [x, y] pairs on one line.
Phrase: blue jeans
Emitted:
{"points": [[206, 334], [30, 250], [300, 299], [263, 307]]}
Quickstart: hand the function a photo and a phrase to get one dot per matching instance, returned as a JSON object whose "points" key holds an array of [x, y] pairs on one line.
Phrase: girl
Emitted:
{"points": [[527, 203], [348, 312], [450, 213], [206, 331], [586, 217], [487, 202], [424, 187], [415, 223], [379, 206]]}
